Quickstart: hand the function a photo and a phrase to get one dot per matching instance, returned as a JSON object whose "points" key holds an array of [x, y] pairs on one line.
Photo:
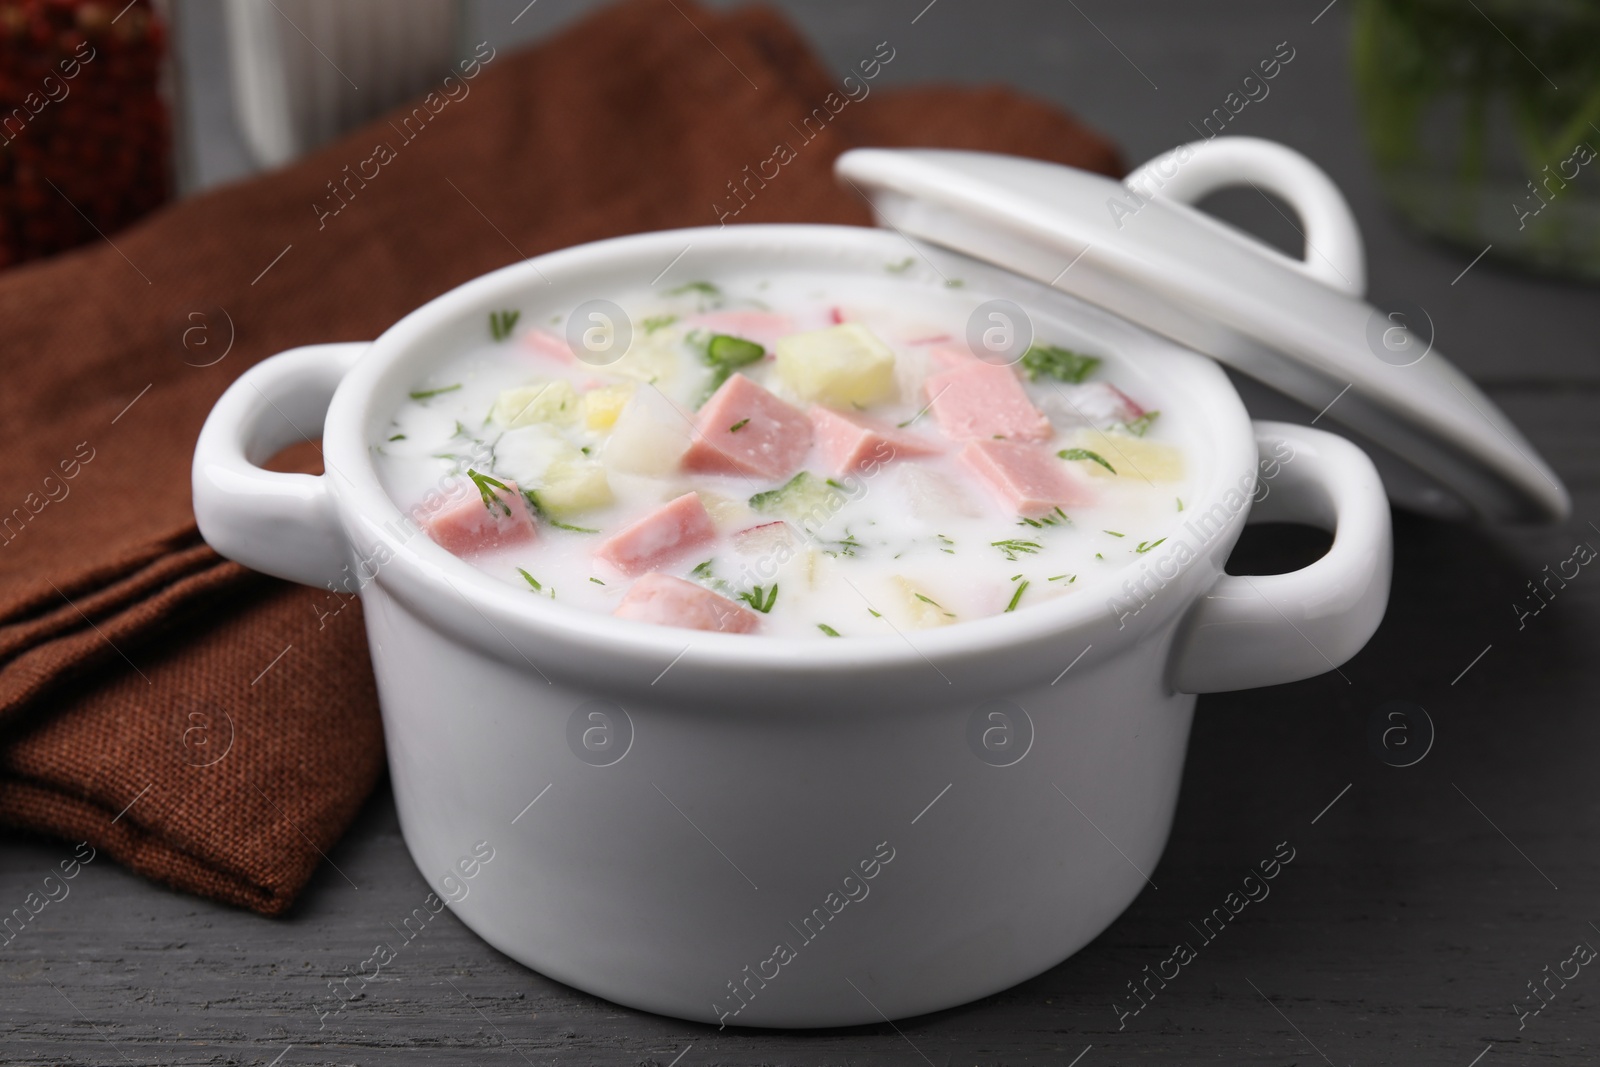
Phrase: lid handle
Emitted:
{"points": [[1191, 172]]}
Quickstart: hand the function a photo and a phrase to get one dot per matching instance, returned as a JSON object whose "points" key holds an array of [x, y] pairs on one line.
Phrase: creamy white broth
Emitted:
{"points": [[912, 543]]}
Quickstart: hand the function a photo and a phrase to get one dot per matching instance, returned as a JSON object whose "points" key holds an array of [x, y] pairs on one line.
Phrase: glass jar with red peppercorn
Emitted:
{"points": [[85, 131]]}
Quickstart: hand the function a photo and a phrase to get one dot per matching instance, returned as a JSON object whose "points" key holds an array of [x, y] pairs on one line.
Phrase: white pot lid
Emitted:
{"points": [[1138, 249]]}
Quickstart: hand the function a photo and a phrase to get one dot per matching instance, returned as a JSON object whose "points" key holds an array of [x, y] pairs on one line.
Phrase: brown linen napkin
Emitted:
{"points": [[218, 730]]}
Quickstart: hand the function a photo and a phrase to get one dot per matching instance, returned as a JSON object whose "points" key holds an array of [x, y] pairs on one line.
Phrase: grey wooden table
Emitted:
{"points": [[1421, 902]]}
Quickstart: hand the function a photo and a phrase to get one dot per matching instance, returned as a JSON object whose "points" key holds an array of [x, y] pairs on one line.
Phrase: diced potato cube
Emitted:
{"points": [[602, 406], [649, 358], [574, 484], [527, 452], [1133, 457], [842, 365], [650, 436], [725, 511], [918, 608], [554, 402], [935, 497]]}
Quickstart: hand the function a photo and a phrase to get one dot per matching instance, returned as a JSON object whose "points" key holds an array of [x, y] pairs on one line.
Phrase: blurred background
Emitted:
{"points": [[1455, 129]]}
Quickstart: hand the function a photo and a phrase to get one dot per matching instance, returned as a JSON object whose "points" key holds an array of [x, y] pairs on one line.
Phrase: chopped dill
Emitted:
{"points": [[1017, 597], [1084, 453], [1046, 520], [1140, 426], [501, 323], [1012, 546], [486, 486], [428, 394], [761, 601], [1061, 363], [532, 497]]}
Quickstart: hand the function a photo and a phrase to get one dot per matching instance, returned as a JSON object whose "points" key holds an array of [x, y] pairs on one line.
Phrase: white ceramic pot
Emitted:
{"points": [[783, 832]]}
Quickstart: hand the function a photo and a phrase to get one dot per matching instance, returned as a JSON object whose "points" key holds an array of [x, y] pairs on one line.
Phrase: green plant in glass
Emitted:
{"points": [[1484, 122]]}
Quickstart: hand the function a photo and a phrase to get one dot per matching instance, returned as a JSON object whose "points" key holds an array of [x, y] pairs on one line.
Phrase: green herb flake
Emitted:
{"points": [[532, 497], [1145, 546], [1140, 426], [597, 581], [1114, 533], [531, 580], [954, 283], [1012, 546], [900, 267], [398, 437], [702, 573], [825, 628], [701, 288], [1069, 577], [759, 600], [501, 323], [486, 487], [1042, 521], [1084, 453], [874, 614], [652, 323], [1180, 503], [736, 427], [1016, 597], [1060, 363], [429, 394], [724, 354], [914, 418]]}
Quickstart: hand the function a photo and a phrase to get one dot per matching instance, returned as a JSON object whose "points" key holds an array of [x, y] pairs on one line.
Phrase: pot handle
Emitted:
{"points": [[280, 524], [1191, 172], [1249, 631]]}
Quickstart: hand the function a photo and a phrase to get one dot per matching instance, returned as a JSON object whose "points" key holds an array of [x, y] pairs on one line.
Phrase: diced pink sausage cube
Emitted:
{"points": [[743, 429], [947, 358], [850, 444], [978, 400], [762, 327], [1026, 478], [668, 601], [464, 523], [548, 344], [660, 537]]}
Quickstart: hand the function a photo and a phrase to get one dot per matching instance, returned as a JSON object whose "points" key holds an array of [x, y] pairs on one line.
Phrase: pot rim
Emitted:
{"points": [[423, 573]]}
